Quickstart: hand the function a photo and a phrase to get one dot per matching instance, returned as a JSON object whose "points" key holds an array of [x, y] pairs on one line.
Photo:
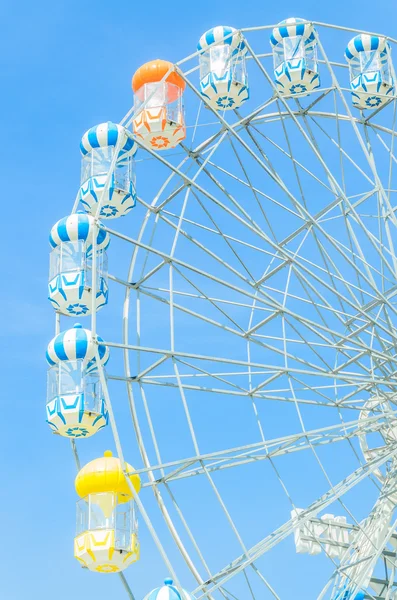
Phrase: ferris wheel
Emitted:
{"points": [[255, 285]]}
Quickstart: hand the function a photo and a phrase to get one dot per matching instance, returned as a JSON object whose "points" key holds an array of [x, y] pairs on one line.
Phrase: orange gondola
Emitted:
{"points": [[158, 100]]}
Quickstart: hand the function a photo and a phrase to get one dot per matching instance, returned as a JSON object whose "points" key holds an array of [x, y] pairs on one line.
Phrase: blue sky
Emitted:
{"points": [[64, 67]]}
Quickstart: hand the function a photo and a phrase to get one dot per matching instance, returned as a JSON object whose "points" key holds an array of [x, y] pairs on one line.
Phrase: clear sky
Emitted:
{"points": [[64, 67]]}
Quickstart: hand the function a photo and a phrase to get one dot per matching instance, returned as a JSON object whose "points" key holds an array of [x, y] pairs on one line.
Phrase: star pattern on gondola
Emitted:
{"points": [[77, 309]]}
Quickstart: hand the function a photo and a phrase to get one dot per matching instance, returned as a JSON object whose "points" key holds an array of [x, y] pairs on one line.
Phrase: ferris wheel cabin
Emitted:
{"points": [[158, 102], [371, 71], [223, 73], [106, 528], [295, 57], [75, 402], [70, 281], [112, 189]]}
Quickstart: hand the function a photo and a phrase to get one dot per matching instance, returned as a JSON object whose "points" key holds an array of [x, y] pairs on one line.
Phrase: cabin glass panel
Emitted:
{"points": [[278, 55], [311, 57], [220, 59], [101, 511], [163, 95], [70, 378], [355, 67], [295, 48], [98, 163], [72, 256], [68, 256], [386, 71], [371, 62], [101, 266]]}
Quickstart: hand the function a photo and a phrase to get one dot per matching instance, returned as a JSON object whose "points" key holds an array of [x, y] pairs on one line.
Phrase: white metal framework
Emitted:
{"points": [[259, 341]]}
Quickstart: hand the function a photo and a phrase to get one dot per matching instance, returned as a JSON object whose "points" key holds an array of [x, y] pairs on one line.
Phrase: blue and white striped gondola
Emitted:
{"points": [[223, 75], [168, 592], [75, 403], [295, 57], [97, 148], [70, 284], [371, 79]]}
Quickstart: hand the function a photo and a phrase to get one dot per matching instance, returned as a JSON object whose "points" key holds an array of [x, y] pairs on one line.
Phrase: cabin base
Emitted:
{"points": [[117, 202], [223, 93], [294, 77], [100, 551], [369, 91], [67, 417]]}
